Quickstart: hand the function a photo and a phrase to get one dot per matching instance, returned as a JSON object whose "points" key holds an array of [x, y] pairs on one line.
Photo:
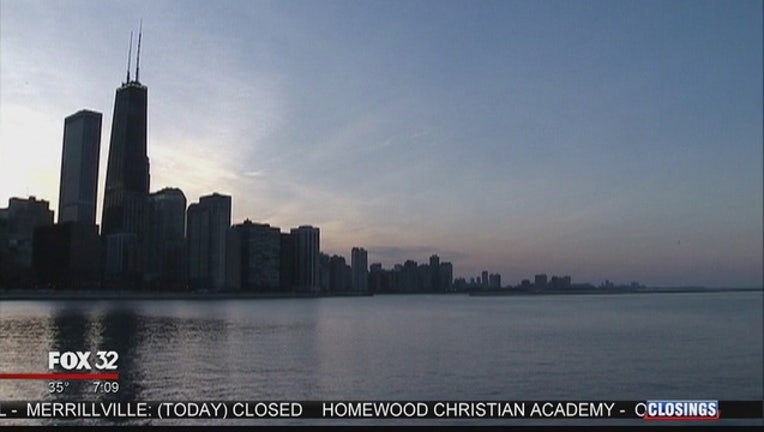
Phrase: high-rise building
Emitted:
{"points": [[359, 262], [127, 183], [540, 280], [18, 223], [166, 236], [207, 227], [67, 256], [494, 280], [409, 278], [79, 167], [324, 272], [435, 273], [340, 274], [306, 249], [286, 264], [446, 276], [253, 257]]}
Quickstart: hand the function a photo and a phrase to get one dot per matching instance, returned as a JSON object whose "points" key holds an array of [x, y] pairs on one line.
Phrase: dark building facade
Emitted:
{"points": [[359, 262], [286, 262], [124, 218], [340, 274], [206, 230], [253, 258], [67, 256], [306, 249], [17, 229], [79, 167], [166, 235]]}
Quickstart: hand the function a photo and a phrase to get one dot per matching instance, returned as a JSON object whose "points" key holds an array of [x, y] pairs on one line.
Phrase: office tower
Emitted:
{"points": [[446, 276], [127, 183], [484, 279], [79, 167], [494, 280], [359, 262], [207, 227], [306, 249], [20, 220], [286, 264], [253, 257], [375, 277], [67, 256], [435, 273], [166, 236], [324, 272], [409, 278], [540, 280], [424, 278], [339, 274]]}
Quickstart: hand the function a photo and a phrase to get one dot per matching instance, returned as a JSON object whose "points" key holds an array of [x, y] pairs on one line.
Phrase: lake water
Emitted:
{"points": [[400, 347]]}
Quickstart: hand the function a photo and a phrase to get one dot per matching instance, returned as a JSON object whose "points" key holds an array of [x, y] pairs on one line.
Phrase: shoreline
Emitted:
{"points": [[609, 291], [21, 295]]}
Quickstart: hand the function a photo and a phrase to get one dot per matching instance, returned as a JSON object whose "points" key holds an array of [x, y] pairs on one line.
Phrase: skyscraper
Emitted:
{"points": [[79, 167], [207, 226], [306, 249], [253, 257], [435, 273], [359, 261], [127, 182], [166, 236]]}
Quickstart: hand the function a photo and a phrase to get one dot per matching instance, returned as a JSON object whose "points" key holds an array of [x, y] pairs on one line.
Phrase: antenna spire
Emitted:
{"points": [[138, 58], [129, 54]]}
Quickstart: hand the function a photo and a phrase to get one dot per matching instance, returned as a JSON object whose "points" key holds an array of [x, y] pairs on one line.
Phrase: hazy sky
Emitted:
{"points": [[609, 139]]}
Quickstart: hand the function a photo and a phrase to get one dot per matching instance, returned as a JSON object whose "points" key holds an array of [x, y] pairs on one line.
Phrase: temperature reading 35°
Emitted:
{"points": [[57, 386]]}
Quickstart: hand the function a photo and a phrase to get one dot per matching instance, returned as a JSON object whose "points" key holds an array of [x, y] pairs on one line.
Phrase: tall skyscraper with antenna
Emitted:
{"points": [[127, 182]]}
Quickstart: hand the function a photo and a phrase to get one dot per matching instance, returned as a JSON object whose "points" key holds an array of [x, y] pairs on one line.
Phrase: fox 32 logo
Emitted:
{"points": [[83, 360]]}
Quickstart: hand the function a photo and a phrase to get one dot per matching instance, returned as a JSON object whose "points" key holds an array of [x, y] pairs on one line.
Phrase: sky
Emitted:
{"points": [[617, 140]]}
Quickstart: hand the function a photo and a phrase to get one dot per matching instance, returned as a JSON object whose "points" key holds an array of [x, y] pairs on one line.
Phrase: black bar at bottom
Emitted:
{"points": [[409, 410]]}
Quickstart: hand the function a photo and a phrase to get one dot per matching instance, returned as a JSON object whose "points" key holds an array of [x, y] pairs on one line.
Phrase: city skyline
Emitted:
{"points": [[463, 166]]}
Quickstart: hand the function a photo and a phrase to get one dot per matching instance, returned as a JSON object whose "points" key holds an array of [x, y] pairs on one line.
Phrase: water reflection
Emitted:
{"points": [[399, 347]]}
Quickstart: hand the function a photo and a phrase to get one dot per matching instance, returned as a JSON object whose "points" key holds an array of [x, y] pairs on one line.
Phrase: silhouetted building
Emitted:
{"points": [[306, 248], [79, 167], [409, 277], [435, 273], [17, 227], [460, 284], [425, 278], [286, 262], [494, 280], [127, 185], [558, 282], [381, 280], [324, 272], [359, 261], [375, 277], [67, 256], [484, 279], [207, 227], [166, 259], [253, 257], [340, 274], [446, 276], [540, 280]]}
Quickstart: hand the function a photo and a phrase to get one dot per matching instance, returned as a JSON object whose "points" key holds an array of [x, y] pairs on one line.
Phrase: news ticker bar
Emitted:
{"points": [[645, 410]]}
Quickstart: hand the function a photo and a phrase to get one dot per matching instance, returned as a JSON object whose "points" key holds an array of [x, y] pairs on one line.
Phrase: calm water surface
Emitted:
{"points": [[600, 347]]}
